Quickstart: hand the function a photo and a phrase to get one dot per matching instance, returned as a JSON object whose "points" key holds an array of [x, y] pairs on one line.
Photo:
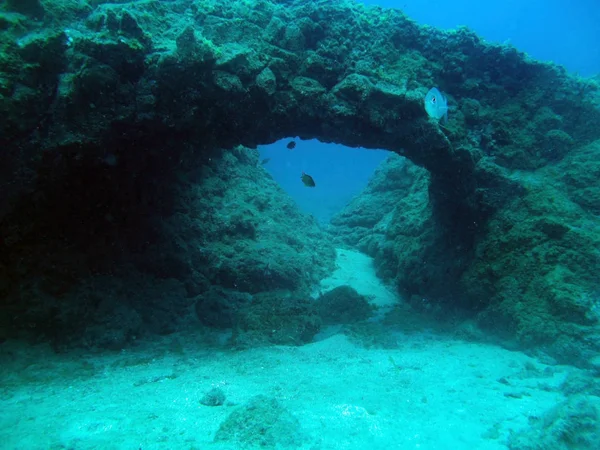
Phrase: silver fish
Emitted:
{"points": [[436, 105]]}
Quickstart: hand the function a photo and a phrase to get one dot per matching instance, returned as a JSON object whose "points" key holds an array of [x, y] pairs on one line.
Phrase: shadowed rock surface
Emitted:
{"points": [[530, 275], [104, 266]]}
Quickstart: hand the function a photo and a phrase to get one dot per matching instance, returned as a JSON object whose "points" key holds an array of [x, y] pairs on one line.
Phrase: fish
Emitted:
{"points": [[265, 161], [436, 105], [291, 145], [307, 180]]}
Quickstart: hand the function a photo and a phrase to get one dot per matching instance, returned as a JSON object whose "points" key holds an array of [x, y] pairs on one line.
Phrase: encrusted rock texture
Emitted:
{"points": [[114, 112]]}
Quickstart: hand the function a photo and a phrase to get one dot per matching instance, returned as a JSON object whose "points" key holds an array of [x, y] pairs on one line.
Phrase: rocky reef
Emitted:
{"points": [[102, 260], [108, 109], [529, 276]]}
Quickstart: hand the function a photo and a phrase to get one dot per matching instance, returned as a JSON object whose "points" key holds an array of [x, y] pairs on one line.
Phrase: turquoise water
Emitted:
{"points": [[241, 225]]}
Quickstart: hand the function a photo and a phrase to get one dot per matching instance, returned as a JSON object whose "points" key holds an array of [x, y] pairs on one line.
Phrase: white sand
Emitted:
{"points": [[356, 269], [431, 392]]}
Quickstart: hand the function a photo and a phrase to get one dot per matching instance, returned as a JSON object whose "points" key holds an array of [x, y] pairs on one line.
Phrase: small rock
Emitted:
{"points": [[266, 81], [214, 397]]}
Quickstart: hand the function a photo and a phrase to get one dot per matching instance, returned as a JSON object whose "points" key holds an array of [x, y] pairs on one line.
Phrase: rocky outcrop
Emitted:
{"points": [[529, 277], [112, 255]]}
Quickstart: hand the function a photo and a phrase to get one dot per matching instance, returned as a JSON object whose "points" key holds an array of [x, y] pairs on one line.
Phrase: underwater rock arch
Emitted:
{"points": [[159, 85], [229, 73]]}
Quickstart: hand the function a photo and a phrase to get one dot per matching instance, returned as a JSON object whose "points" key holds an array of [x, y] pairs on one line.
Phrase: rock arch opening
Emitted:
{"points": [[340, 173]]}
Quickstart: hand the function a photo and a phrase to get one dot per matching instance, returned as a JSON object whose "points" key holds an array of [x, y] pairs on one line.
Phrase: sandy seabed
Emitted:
{"points": [[429, 392]]}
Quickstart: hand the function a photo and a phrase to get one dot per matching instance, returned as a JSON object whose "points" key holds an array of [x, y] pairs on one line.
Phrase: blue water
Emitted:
{"points": [[339, 173], [561, 31]]}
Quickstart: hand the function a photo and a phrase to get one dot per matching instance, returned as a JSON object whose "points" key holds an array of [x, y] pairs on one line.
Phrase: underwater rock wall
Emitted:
{"points": [[109, 102], [110, 255], [392, 220], [530, 279]]}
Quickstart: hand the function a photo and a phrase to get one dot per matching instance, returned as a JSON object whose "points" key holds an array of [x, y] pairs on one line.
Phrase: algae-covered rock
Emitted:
{"points": [[219, 307], [557, 144], [538, 270], [343, 305], [580, 173], [214, 397], [276, 318], [192, 46], [261, 423], [267, 81], [31, 8], [228, 82], [364, 221], [222, 237], [572, 425]]}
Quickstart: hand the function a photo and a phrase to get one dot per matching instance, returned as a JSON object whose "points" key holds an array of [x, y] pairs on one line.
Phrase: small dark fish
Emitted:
{"points": [[265, 161], [307, 180], [291, 145]]}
